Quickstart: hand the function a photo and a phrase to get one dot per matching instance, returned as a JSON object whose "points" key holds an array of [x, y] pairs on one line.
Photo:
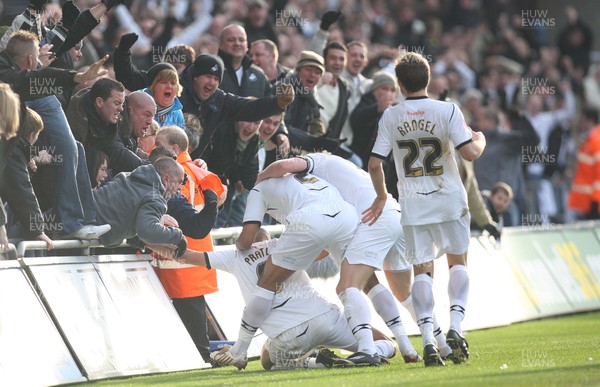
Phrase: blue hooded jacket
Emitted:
{"points": [[174, 117]]}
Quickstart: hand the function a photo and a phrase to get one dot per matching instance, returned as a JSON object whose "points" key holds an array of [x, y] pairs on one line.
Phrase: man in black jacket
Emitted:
{"points": [[365, 116], [303, 119], [241, 76], [202, 97], [95, 118], [234, 158]]}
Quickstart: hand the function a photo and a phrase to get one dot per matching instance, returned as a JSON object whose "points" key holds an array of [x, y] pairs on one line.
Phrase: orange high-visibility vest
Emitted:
{"points": [[586, 183], [184, 281]]}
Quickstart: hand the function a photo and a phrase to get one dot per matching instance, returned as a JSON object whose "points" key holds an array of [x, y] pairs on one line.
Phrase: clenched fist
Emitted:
{"points": [[285, 95]]}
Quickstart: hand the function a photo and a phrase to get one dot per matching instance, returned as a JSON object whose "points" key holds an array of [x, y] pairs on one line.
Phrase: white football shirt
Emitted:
{"points": [[296, 300], [353, 183], [281, 196], [422, 133]]}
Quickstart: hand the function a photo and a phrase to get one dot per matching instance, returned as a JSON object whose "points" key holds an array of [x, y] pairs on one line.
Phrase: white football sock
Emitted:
{"points": [[408, 305], [440, 337], [358, 314], [256, 311], [458, 290], [385, 305], [422, 295]]}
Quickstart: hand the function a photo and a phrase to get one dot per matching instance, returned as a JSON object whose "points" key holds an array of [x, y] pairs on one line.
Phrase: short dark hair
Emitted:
{"points": [[334, 46], [104, 87], [166, 166], [160, 152], [413, 72]]}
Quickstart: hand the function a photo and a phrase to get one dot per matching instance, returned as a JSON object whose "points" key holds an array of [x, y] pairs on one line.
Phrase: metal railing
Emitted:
{"points": [[85, 245]]}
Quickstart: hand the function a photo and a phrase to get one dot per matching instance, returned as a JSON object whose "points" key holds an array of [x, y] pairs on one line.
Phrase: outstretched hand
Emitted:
{"points": [[285, 95], [493, 229], [46, 56], [94, 71], [49, 243], [328, 19], [127, 40]]}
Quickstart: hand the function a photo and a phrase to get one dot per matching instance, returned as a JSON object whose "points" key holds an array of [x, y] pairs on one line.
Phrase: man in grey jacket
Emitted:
{"points": [[134, 203]]}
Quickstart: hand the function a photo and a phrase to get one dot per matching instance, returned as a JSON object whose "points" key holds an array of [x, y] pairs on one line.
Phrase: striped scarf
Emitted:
{"points": [[162, 112]]}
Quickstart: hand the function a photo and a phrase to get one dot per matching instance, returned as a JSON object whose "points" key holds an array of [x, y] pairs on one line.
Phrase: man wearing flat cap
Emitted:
{"points": [[302, 118], [364, 118], [202, 97]]}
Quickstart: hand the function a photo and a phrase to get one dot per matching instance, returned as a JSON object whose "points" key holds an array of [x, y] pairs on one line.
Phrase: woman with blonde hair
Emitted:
{"points": [[165, 88], [10, 111]]}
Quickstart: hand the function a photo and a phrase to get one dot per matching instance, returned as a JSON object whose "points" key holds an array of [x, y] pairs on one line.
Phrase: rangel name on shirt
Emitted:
{"points": [[410, 126]]}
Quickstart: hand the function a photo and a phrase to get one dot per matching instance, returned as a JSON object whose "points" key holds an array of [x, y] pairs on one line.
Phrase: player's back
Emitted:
{"points": [[353, 183], [422, 134], [281, 196]]}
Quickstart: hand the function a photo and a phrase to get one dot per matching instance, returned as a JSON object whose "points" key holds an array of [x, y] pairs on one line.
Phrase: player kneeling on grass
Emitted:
{"points": [[301, 320]]}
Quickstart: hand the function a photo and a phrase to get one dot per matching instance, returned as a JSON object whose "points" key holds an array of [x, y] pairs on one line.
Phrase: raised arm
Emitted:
{"points": [[281, 167]]}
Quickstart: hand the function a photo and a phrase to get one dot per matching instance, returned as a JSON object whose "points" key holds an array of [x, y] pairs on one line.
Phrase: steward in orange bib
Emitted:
{"points": [[585, 189], [185, 284]]}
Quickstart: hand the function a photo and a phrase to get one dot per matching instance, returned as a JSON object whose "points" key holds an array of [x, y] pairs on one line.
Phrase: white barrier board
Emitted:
{"points": [[110, 336], [149, 316], [32, 353]]}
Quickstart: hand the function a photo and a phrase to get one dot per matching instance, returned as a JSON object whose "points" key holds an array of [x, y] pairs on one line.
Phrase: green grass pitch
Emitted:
{"points": [[563, 351]]}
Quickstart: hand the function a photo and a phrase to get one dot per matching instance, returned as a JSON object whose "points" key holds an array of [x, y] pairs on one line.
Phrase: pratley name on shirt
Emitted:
{"points": [[258, 254]]}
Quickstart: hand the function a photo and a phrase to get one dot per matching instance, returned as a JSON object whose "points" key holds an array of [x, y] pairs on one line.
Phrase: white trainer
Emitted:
{"points": [[89, 232], [224, 357]]}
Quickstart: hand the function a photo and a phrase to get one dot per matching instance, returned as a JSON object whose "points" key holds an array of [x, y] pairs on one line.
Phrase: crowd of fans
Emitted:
{"points": [[524, 91], [225, 88]]}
